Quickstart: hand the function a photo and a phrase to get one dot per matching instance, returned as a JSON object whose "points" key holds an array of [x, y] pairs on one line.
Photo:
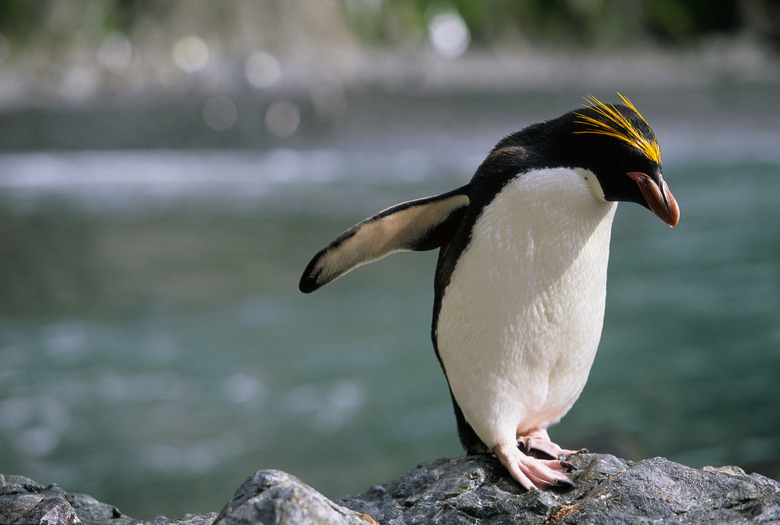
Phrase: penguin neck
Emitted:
{"points": [[556, 211]]}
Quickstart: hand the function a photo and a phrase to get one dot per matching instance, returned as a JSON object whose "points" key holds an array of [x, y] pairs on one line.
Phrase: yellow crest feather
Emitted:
{"points": [[617, 126]]}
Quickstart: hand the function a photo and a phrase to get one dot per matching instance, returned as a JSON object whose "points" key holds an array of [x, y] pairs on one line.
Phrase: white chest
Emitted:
{"points": [[521, 319]]}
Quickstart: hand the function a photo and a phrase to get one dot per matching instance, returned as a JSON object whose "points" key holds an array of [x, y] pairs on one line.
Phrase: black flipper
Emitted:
{"points": [[418, 225]]}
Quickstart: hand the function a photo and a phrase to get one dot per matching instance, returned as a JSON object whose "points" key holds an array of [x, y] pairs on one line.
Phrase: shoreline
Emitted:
{"points": [[30, 79]]}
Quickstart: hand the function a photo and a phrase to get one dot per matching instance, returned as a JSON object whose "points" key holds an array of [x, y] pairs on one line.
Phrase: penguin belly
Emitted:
{"points": [[521, 317]]}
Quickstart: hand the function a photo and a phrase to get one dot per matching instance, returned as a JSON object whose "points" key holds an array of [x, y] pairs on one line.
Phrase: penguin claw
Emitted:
{"points": [[566, 482], [570, 467]]}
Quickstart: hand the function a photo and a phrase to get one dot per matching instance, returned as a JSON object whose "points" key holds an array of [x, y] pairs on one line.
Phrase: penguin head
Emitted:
{"points": [[616, 144]]}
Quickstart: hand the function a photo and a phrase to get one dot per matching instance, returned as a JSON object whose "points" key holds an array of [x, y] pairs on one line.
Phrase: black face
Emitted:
{"points": [[617, 145], [608, 157], [612, 141]]}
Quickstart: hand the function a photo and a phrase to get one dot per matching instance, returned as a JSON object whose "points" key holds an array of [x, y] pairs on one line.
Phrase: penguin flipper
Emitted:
{"points": [[417, 225]]}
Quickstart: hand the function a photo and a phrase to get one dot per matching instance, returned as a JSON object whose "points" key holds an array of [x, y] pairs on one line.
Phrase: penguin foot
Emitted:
{"points": [[532, 473], [539, 441]]}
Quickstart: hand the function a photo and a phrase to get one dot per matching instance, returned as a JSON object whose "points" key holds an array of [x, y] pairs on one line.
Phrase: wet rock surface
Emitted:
{"points": [[473, 489]]}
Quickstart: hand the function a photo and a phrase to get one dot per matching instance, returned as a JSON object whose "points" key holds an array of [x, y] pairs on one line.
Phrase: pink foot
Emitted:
{"points": [[539, 440], [532, 473]]}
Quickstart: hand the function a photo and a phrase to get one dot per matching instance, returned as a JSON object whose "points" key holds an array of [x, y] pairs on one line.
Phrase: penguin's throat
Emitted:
{"points": [[545, 217]]}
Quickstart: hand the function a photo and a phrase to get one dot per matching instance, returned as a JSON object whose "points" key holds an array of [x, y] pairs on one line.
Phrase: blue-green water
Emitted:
{"points": [[155, 351]]}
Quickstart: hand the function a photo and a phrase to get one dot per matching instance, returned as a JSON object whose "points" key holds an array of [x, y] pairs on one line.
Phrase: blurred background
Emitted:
{"points": [[168, 168]]}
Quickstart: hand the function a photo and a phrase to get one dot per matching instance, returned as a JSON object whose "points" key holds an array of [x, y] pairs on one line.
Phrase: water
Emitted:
{"points": [[155, 350]]}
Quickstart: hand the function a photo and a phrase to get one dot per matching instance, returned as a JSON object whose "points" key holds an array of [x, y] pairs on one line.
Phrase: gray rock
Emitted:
{"points": [[51, 510], [477, 490], [273, 496], [474, 490], [26, 502]]}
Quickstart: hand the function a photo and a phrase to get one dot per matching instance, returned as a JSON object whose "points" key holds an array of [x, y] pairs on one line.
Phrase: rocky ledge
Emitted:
{"points": [[472, 490]]}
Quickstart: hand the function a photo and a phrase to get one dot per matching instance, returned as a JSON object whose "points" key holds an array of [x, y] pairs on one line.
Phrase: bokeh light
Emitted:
{"points": [[220, 113], [262, 70], [282, 119], [449, 34], [191, 54]]}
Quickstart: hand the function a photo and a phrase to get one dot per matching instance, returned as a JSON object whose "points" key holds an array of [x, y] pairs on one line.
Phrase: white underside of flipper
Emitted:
{"points": [[521, 318]]}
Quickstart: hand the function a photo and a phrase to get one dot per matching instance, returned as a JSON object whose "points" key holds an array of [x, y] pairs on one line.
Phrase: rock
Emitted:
{"points": [[52, 510], [477, 490], [273, 496], [473, 489], [26, 502]]}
